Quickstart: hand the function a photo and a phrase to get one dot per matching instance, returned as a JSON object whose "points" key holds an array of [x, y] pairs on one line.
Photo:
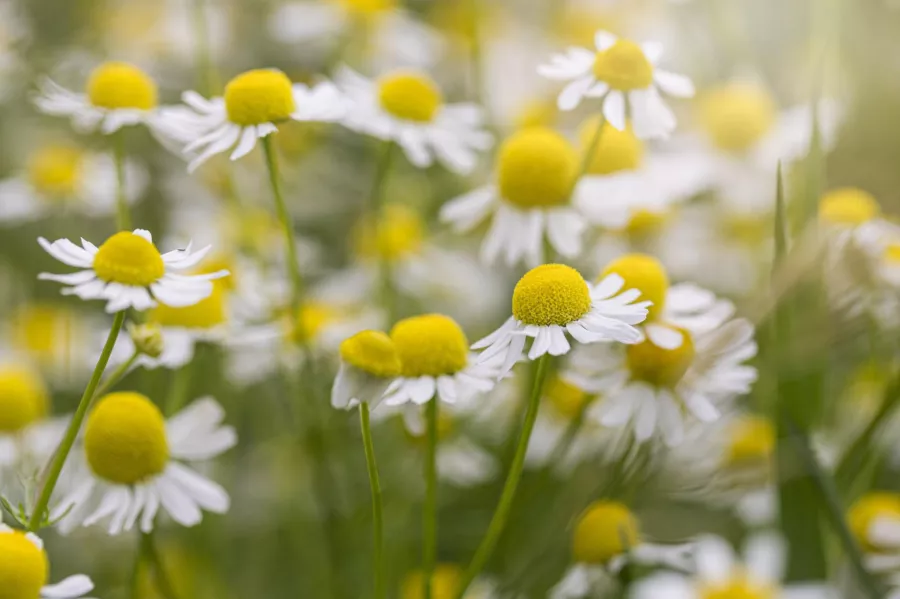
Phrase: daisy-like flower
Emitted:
{"points": [[445, 582], [435, 360], [24, 569], [408, 108], [134, 463], [369, 364], [61, 176], [721, 574], [850, 214], [129, 272], [553, 302], [530, 201], [51, 336], [117, 94], [874, 520], [607, 537], [254, 104], [625, 77]]}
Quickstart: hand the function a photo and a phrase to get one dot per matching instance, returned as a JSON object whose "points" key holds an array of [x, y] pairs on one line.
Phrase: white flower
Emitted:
{"points": [[134, 464], [369, 364], [407, 107], [129, 272], [24, 566], [624, 76]]}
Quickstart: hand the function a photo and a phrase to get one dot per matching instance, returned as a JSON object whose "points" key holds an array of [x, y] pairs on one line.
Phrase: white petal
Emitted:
{"points": [[571, 95], [209, 495], [73, 586], [664, 337], [674, 84], [614, 109], [765, 555], [715, 559]]}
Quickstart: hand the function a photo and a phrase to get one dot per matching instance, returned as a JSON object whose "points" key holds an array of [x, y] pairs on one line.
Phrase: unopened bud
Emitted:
{"points": [[147, 339]]}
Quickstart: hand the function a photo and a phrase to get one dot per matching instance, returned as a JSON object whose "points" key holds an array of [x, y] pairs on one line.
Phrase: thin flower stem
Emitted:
{"points": [[65, 446], [589, 153], [377, 507], [181, 386], [206, 76], [137, 568], [429, 513], [562, 448], [501, 515], [123, 215], [163, 584], [376, 205], [116, 375]]}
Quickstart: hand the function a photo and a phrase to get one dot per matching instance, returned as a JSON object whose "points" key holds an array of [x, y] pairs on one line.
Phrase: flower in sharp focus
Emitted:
{"points": [[530, 200], [134, 464], [553, 302], [253, 105], [129, 272], [407, 107], [117, 94], [625, 77], [369, 364], [25, 568]]}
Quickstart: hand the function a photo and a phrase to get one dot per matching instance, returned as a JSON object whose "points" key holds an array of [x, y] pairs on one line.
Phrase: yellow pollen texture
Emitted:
{"points": [[23, 567], [658, 366], [848, 206], [116, 85], [737, 115], [373, 352], [867, 510], [623, 66], [616, 151], [23, 398], [398, 233], [205, 314], [739, 587], [567, 399], [445, 583], [551, 294], [752, 440], [55, 171], [430, 345], [125, 438], [606, 529], [259, 96], [645, 273], [409, 95], [129, 259], [536, 168]]}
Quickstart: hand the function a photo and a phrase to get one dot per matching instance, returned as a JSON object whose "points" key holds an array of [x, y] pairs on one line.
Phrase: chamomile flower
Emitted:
{"points": [[50, 336], [850, 214], [625, 77], [551, 303], [25, 568], [59, 177], [721, 574], [129, 272], [253, 105], [369, 364], [135, 463], [606, 537], [874, 520], [407, 107], [117, 94], [435, 362], [530, 201]]}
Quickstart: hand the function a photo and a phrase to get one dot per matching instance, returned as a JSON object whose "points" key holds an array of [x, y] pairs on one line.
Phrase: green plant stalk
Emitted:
{"points": [[123, 213], [376, 205], [589, 154], [377, 506], [562, 448], [116, 375], [504, 507], [429, 512], [206, 75], [181, 387], [65, 446], [163, 584]]}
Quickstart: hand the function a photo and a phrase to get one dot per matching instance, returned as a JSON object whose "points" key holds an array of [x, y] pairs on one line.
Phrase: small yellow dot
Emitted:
{"points": [[373, 352], [566, 399], [739, 586], [259, 96], [445, 583], [644, 273], [644, 223], [605, 530], [892, 253], [313, 318], [623, 66], [536, 168], [367, 8], [398, 233], [660, 367], [751, 441], [410, 95], [737, 115], [23, 398], [119, 85], [616, 150], [848, 206], [23, 568], [430, 345], [129, 259], [55, 171], [551, 294], [867, 510]]}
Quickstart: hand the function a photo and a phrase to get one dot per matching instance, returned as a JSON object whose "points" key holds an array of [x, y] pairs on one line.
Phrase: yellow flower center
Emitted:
{"points": [[205, 314], [657, 366], [848, 207], [537, 113], [616, 151], [373, 352], [23, 567], [739, 587], [623, 66], [751, 229], [867, 510], [367, 8], [259, 96], [551, 294], [311, 320], [41, 329], [737, 115], [129, 259], [409, 95], [23, 399], [606, 529], [892, 254], [55, 171], [645, 273], [567, 399], [445, 583], [430, 345], [125, 439], [398, 233], [536, 168], [751, 441], [116, 85], [217, 263], [644, 223]]}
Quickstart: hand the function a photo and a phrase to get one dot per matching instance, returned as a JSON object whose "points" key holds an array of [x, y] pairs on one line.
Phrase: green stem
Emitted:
{"points": [[163, 584], [123, 215], [565, 443], [376, 205], [504, 507], [65, 446], [377, 507], [206, 78], [116, 375], [429, 513], [181, 386], [135, 582], [477, 53], [589, 153]]}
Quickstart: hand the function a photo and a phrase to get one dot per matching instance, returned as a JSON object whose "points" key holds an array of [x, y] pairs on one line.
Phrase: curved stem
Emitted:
{"points": [[65, 446], [429, 513], [377, 507], [504, 507], [123, 215]]}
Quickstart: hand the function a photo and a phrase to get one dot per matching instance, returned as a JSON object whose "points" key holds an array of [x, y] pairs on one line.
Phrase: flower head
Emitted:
{"points": [[605, 530], [25, 569], [23, 398], [737, 115], [369, 364]]}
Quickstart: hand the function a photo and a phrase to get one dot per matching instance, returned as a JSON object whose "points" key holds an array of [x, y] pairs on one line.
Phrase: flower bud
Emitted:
{"points": [[147, 339]]}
